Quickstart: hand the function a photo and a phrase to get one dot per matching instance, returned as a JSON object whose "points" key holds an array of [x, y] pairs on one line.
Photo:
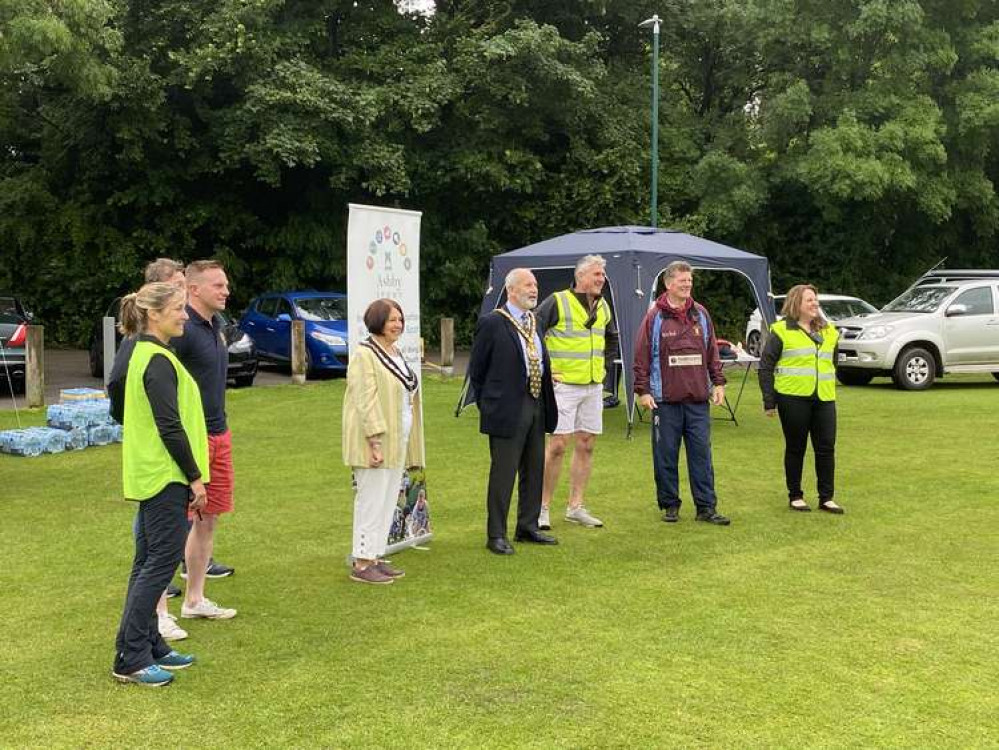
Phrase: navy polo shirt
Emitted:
{"points": [[203, 351]]}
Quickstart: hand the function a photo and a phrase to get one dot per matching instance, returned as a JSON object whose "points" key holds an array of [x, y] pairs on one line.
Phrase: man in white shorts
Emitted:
{"points": [[578, 329]]}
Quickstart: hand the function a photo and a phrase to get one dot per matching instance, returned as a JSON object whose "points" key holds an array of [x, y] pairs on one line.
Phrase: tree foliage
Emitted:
{"points": [[852, 143]]}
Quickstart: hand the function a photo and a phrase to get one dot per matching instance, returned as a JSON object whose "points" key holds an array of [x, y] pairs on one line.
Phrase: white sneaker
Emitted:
{"points": [[169, 628], [208, 610], [582, 516], [544, 522]]}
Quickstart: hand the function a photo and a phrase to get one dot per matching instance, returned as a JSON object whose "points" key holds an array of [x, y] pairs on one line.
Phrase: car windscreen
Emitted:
{"points": [[321, 308], [8, 310], [920, 299], [837, 309]]}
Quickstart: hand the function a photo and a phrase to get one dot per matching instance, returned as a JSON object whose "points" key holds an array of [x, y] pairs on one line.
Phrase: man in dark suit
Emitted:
{"points": [[511, 375]]}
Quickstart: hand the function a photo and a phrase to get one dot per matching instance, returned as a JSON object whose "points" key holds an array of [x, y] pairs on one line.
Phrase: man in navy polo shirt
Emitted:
{"points": [[202, 350]]}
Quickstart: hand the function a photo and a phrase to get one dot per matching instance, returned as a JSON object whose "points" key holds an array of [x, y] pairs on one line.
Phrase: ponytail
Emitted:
{"points": [[131, 319]]}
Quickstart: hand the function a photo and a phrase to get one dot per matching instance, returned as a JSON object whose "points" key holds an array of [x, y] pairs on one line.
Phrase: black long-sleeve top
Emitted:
{"points": [[160, 384]]}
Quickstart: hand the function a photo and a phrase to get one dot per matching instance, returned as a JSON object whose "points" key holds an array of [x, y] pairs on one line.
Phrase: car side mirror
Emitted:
{"points": [[284, 318], [955, 310]]}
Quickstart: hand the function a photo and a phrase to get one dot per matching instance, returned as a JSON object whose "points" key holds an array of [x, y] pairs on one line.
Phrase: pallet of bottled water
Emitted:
{"points": [[81, 419]]}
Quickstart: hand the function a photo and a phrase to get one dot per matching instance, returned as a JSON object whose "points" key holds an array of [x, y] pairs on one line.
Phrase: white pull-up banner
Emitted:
{"points": [[383, 260]]}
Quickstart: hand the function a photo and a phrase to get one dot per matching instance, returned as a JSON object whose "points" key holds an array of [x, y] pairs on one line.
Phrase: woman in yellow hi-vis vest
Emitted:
{"points": [[797, 375], [164, 467]]}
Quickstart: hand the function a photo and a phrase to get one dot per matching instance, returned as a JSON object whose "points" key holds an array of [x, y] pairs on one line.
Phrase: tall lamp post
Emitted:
{"points": [[654, 23]]}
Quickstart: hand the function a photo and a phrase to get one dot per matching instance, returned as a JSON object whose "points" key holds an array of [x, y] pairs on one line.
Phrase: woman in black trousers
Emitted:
{"points": [[797, 375]]}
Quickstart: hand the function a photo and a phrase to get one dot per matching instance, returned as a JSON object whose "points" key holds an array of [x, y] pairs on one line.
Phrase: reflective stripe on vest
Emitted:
{"points": [[577, 352], [805, 367], [147, 466]]}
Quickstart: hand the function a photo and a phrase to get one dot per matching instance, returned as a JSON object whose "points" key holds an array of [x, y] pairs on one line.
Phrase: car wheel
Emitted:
{"points": [[96, 362], [854, 377], [915, 370], [244, 381], [995, 375], [753, 343]]}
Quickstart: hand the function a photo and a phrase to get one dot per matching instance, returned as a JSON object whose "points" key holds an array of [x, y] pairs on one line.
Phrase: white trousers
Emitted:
{"points": [[374, 507]]}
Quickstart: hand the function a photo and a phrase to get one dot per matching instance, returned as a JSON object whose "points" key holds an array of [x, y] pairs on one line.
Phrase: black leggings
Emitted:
{"points": [[799, 418]]}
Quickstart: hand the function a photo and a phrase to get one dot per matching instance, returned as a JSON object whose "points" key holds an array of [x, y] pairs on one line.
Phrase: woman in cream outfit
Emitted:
{"points": [[382, 436]]}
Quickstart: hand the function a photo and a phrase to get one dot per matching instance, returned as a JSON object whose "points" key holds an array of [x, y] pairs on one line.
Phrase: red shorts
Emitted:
{"points": [[220, 466]]}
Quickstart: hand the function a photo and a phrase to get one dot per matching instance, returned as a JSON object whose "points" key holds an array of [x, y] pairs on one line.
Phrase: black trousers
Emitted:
{"points": [[161, 532], [799, 418], [521, 457]]}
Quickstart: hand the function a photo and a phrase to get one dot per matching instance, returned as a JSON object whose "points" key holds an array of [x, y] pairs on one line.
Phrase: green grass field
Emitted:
{"points": [[875, 629]]}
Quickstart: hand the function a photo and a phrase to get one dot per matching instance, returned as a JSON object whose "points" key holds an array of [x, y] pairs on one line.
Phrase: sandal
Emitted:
{"points": [[830, 506], [799, 504]]}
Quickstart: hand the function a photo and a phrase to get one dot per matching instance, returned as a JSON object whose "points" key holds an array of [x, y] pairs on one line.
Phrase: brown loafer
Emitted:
{"points": [[388, 570], [370, 574]]}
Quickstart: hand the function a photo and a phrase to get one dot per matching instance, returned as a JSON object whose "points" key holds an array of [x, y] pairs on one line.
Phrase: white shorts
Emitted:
{"points": [[580, 408]]}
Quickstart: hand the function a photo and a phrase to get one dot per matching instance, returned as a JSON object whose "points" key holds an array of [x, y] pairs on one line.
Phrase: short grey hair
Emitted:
{"points": [[514, 276], [586, 261], [162, 270], [677, 266]]}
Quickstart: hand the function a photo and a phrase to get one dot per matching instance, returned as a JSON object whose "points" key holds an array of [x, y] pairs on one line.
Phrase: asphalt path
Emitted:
{"points": [[69, 368]]}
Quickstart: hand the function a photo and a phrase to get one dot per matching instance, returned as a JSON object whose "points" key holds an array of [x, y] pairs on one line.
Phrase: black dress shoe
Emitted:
{"points": [[713, 517], [499, 546], [534, 537]]}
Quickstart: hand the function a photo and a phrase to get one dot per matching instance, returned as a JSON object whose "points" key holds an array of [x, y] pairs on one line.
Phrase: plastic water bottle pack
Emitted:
{"points": [[100, 434], [21, 443]]}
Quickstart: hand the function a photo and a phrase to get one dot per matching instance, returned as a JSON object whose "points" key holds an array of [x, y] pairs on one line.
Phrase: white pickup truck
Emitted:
{"points": [[935, 328]]}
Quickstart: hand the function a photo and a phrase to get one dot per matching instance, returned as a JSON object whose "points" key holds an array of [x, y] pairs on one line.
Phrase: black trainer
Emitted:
{"points": [[172, 591], [218, 570], [215, 570], [671, 515], [713, 517]]}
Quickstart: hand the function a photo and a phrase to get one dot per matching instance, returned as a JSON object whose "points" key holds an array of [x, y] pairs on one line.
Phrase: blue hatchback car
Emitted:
{"points": [[268, 321]]}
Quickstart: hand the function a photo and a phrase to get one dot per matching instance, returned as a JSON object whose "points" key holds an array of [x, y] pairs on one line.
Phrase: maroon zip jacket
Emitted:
{"points": [[681, 336]]}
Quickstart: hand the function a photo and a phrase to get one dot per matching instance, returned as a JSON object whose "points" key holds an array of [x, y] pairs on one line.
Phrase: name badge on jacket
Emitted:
{"points": [[684, 360]]}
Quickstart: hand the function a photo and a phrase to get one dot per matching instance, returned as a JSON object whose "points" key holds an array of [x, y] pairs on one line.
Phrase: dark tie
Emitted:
{"points": [[533, 359]]}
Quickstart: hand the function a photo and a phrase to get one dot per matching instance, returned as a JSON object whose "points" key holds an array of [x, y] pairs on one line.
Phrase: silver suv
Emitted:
{"points": [[930, 330]]}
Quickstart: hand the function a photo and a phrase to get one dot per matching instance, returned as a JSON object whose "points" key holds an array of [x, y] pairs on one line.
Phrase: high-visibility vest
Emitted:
{"points": [[577, 352], [147, 466], [805, 366]]}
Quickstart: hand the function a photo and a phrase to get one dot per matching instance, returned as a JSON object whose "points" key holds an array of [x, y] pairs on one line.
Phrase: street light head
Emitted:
{"points": [[649, 22]]}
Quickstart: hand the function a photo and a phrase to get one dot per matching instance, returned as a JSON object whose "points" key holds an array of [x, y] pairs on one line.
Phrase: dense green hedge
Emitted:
{"points": [[852, 143]]}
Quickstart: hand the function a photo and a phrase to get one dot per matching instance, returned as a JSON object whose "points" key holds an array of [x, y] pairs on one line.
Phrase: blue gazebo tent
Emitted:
{"points": [[635, 257]]}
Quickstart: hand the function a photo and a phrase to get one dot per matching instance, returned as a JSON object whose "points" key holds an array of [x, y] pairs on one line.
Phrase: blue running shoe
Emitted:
{"points": [[151, 676], [175, 660]]}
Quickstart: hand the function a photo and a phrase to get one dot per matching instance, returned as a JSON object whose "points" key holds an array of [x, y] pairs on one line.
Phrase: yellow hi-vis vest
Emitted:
{"points": [[577, 352], [803, 364], [147, 466]]}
